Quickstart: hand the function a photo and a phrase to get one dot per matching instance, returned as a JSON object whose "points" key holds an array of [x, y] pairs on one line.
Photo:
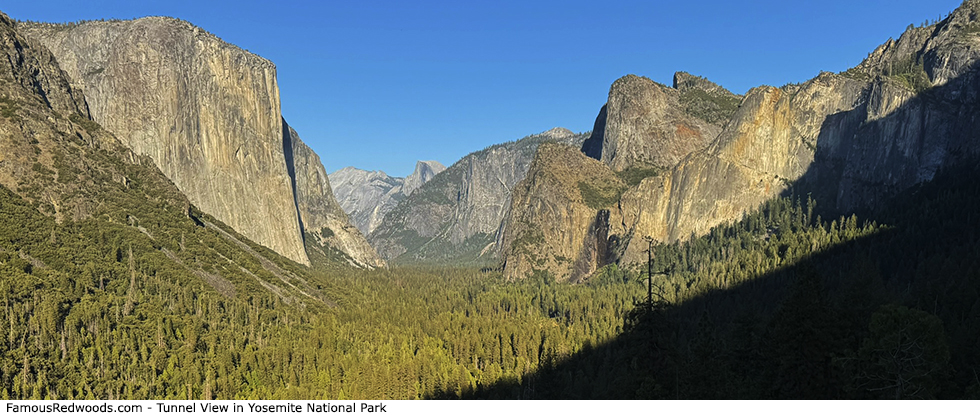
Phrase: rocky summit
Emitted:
{"points": [[368, 195], [645, 124], [208, 114], [46, 133], [424, 171], [850, 140], [643, 130]]}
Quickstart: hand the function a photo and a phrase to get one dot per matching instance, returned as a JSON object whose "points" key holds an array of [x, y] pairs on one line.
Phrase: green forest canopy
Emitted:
{"points": [[96, 309]]}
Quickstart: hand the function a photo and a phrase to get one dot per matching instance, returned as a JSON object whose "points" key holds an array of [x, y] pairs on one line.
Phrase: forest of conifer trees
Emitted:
{"points": [[139, 301]]}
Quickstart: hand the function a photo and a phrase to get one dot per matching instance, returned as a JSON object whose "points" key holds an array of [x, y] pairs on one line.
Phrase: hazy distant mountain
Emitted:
{"points": [[456, 216], [368, 195]]}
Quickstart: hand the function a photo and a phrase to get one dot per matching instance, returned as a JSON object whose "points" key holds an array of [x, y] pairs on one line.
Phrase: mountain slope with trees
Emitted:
{"points": [[114, 286], [786, 304]]}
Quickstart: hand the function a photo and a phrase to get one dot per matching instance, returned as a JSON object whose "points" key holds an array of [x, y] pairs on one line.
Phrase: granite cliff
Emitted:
{"points": [[324, 224], [43, 118], [644, 129], [368, 195], [456, 216], [77, 204], [206, 112], [851, 140], [424, 171]]}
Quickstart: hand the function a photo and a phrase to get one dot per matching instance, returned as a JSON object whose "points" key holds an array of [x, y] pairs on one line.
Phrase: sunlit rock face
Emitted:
{"points": [[321, 217], [206, 112], [851, 140]]}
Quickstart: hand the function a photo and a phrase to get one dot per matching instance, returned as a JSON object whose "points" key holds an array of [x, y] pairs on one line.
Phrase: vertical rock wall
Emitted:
{"points": [[205, 111]]}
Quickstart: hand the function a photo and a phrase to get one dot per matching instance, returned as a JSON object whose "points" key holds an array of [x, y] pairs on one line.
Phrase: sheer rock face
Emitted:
{"points": [[644, 128], [652, 125], [32, 66], [851, 140], [320, 215], [768, 144], [205, 111], [457, 215], [368, 195], [56, 158]]}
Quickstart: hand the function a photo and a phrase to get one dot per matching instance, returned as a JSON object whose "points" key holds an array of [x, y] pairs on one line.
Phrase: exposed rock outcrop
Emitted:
{"points": [[424, 171], [205, 111], [63, 173], [851, 140], [46, 132], [30, 65], [652, 125], [642, 131], [753, 160], [559, 219], [457, 215], [367, 196]]}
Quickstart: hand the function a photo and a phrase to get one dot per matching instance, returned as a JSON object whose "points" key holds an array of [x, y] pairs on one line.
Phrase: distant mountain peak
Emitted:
{"points": [[455, 218], [428, 164], [424, 171], [557, 133], [368, 195], [348, 169]]}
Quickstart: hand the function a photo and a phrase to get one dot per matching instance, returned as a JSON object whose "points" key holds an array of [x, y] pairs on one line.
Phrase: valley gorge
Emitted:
{"points": [[456, 216]]}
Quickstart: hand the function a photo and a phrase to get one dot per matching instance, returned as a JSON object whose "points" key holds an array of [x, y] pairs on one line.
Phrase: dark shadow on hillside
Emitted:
{"points": [[860, 163], [818, 329]]}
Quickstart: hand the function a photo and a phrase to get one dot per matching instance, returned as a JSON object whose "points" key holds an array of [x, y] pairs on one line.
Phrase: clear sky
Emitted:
{"points": [[381, 84]]}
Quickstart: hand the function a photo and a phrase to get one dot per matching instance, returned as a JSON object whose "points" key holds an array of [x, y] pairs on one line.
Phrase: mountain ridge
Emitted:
{"points": [[87, 202]]}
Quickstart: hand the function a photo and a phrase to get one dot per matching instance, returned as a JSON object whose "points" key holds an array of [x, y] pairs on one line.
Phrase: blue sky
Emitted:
{"points": [[381, 84]]}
